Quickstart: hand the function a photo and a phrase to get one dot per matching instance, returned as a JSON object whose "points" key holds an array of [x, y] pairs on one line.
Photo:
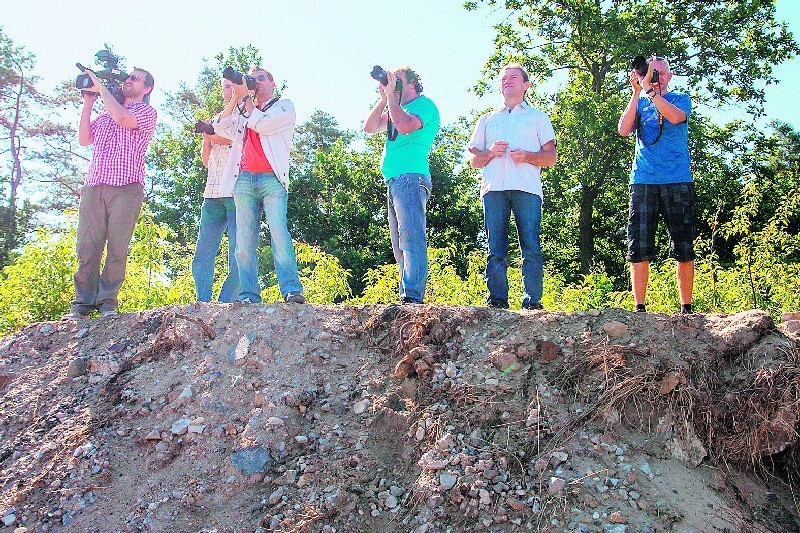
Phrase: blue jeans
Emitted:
{"points": [[258, 192], [527, 209], [216, 214], [407, 196]]}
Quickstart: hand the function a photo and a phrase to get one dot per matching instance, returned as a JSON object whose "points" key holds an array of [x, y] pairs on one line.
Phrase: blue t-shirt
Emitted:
{"points": [[666, 160]]}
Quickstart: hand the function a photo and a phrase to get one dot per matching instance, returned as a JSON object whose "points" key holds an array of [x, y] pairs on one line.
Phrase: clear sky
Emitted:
{"points": [[323, 49]]}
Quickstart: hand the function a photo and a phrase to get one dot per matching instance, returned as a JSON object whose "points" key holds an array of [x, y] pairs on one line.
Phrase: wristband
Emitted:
{"points": [[650, 92]]}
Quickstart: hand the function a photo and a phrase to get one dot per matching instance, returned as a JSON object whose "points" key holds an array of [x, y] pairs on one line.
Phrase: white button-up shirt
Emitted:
{"points": [[523, 128]]}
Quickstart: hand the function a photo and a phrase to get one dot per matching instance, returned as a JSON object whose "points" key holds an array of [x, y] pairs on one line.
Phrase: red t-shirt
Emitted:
{"points": [[253, 158]]}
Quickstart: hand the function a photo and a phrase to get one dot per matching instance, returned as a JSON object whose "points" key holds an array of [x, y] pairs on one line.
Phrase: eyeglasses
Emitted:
{"points": [[134, 77]]}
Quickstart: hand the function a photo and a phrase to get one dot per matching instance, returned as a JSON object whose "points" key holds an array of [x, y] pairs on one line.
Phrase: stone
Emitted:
{"points": [[251, 460], [786, 317], [419, 435], [186, 393], [556, 485], [556, 458], [792, 327], [47, 329], [8, 519], [82, 333], [275, 422], [361, 406], [77, 367], [615, 329], [447, 480], [180, 426], [550, 351], [155, 434], [301, 439], [616, 518], [614, 528], [669, 383], [197, 428], [594, 312], [687, 448], [485, 497], [237, 354], [391, 502], [504, 361], [276, 496]]}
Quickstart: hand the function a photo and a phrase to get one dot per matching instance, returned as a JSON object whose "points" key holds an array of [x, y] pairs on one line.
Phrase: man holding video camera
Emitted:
{"points": [[217, 213], [661, 177], [113, 192], [411, 121], [261, 127]]}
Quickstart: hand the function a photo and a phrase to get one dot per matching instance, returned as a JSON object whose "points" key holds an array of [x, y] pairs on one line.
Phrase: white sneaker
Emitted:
{"points": [[74, 315], [108, 314]]}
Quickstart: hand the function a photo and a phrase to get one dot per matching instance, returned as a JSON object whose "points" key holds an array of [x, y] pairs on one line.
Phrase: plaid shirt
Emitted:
{"points": [[118, 155]]}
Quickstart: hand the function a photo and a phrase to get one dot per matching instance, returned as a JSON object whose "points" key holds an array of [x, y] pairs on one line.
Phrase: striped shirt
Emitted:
{"points": [[118, 154]]}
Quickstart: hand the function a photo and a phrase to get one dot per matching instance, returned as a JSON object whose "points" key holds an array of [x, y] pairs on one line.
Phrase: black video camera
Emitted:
{"points": [[203, 127], [640, 65], [236, 77], [380, 75], [111, 75]]}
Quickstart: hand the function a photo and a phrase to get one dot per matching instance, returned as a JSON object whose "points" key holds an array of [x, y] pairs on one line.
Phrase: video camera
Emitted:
{"points": [[111, 75], [640, 65]]}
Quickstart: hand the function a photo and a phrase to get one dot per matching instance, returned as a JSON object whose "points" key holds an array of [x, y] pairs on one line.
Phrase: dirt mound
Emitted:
{"points": [[385, 418]]}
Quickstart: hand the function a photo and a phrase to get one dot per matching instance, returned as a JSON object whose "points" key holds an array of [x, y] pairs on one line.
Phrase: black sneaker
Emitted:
{"points": [[534, 307], [295, 298], [497, 304], [408, 300]]}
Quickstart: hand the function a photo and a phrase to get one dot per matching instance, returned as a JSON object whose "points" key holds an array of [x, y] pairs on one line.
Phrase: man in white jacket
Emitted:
{"points": [[261, 128]]}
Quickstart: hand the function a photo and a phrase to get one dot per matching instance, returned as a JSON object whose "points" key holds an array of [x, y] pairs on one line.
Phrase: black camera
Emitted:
{"points": [[203, 127], [111, 76], [236, 77], [640, 65], [380, 75]]}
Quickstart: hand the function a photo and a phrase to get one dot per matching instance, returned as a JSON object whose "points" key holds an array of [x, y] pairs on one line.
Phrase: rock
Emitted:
{"points": [[556, 458], [669, 383], [180, 426], [276, 496], [8, 519], [419, 435], [185, 394], [550, 351], [786, 317], [447, 480], [77, 367], [47, 329], [405, 367], [492, 382], [792, 327], [616, 518], [614, 329], [155, 434], [687, 448], [614, 528], [485, 497], [301, 439], [197, 428], [237, 354], [556, 485], [391, 502], [361, 406], [646, 469], [105, 366], [82, 333], [275, 422], [504, 361], [594, 312], [251, 460]]}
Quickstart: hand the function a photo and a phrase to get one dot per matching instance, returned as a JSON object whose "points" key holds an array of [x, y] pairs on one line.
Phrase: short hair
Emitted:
{"points": [[265, 71], [517, 66], [411, 77], [662, 59], [149, 81]]}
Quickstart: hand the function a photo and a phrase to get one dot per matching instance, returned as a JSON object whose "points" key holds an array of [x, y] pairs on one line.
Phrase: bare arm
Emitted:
{"points": [[628, 119], [480, 158], [669, 111], [85, 137], [115, 110], [206, 151], [377, 119], [404, 122], [546, 157]]}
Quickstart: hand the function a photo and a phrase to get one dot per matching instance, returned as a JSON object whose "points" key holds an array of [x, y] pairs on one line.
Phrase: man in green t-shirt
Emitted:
{"points": [[410, 121]]}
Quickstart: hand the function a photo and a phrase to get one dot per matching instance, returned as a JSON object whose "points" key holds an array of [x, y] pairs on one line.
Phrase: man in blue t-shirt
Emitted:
{"points": [[411, 121], [661, 179]]}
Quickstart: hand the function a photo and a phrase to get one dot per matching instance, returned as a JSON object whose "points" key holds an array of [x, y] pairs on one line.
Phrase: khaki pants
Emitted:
{"points": [[106, 219]]}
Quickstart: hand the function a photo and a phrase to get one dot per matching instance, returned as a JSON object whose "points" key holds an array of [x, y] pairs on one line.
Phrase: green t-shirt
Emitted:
{"points": [[409, 153]]}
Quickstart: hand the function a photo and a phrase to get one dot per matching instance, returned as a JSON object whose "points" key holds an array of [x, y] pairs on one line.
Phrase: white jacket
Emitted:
{"points": [[275, 126]]}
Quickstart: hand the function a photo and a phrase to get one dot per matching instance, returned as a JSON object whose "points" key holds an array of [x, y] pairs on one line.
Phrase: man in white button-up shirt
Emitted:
{"points": [[512, 144]]}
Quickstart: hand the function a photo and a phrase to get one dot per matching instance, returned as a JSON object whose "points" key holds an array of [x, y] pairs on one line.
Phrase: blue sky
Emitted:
{"points": [[324, 50]]}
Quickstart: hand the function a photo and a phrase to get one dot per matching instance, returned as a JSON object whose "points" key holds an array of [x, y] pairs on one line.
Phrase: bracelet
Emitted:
{"points": [[650, 92]]}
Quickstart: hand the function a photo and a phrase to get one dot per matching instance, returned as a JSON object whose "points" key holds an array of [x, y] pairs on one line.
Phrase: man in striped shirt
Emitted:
{"points": [[113, 192]]}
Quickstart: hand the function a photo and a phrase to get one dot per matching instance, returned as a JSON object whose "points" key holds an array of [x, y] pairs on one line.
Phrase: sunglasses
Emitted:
{"points": [[261, 77], [134, 77]]}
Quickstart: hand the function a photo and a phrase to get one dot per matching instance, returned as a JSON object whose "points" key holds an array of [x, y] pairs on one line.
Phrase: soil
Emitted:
{"points": [[229, 418]]}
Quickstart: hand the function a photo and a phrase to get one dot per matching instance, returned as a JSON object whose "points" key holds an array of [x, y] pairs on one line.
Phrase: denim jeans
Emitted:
{"points": [[216, 214], [407, 196], [258, 192], [527, 209]]}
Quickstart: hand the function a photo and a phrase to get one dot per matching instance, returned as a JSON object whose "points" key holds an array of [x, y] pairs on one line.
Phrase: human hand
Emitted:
{"points": [[96, 83], [518, 156], [634, 80], [498, 148]]}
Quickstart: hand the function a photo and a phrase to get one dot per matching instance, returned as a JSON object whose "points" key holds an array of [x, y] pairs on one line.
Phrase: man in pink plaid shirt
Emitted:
{"points": [[112, 195]]}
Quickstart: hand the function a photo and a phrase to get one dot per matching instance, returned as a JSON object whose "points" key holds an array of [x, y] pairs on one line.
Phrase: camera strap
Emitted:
{"points": [[269, 103], [640, 132], [391, 130]]}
